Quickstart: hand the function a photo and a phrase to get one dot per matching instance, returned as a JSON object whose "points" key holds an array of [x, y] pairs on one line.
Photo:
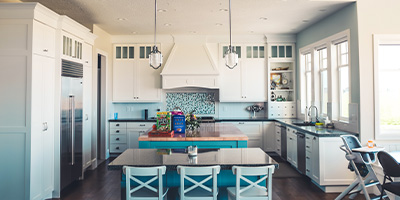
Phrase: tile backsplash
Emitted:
{"points": [[201, 102]]}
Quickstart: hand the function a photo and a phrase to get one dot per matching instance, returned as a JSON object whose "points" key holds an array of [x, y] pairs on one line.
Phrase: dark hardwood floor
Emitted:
{"points": [[104, 184]]}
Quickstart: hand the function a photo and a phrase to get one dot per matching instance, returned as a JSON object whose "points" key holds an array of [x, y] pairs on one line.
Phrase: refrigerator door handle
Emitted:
{"points": [[72, 109]]}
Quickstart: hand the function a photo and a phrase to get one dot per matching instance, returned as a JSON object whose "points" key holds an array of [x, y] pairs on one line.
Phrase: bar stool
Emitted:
{"points": [[253, 190], [198, 191], [144, 190]]}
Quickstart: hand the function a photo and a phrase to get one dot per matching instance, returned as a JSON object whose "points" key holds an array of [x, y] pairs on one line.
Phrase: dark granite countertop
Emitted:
{"points": [[225, 157], [133, 120], [320, 132]]}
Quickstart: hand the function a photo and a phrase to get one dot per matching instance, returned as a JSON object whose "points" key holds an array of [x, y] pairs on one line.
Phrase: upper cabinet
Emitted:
{"points": [[72, 47], [247, 81], [44, 39], [281, 80], [134, 80]]}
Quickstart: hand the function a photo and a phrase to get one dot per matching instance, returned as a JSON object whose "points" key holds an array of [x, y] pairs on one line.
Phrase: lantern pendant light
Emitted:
{"points": [[155, 57], [231, 57]]}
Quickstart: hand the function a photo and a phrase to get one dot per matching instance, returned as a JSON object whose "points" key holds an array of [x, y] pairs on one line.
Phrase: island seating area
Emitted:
{"points": [[219, 135]]}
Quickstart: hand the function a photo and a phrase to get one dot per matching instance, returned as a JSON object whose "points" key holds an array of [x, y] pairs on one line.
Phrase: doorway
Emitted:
{"points": [[100, 139]]}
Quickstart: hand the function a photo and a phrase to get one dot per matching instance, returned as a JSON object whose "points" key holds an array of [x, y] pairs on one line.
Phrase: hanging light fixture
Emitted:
{"points": [[155, 57], [231, 57]]}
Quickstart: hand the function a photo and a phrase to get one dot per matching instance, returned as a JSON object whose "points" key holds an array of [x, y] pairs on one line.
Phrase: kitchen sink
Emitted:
{"points": [[303, 124]]}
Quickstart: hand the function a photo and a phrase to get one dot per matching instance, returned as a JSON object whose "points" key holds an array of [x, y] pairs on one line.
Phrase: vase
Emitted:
{"points": [[191, 132]]}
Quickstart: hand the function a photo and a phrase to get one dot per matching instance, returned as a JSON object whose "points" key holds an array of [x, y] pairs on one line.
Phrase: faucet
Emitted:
{"points": [[316, 113]]}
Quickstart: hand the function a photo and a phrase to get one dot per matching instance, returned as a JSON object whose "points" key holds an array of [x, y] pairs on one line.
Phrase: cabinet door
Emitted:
{"points": [[87, 115], [133, 136], [123, 80], [269, 136], [254, 80], [254, 131], [44, 38], [315, 173], [148, 82], [230, 83]]}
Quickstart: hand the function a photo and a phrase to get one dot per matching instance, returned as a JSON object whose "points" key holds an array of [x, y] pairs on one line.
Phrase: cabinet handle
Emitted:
{"points": [[290, 138], [308, 170], [141, 132], [308, 157], [45, 50], [117, 138], [278, 149], [314, 138], [241, 122], [307, 146], [117, 131], [116, 124], [278, 140], [142, 125], [116, 147], [307, 137], [87, 61]]}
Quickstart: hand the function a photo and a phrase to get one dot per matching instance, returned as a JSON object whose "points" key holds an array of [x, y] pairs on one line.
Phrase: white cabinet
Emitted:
{"points": [[291, 146], [253, 130], [87, 116], [325, 162], [278, 137], [44, 39], [269, 136], [133, 79], [246, 82], [124, 135], [281, 81], [87, 54], [72, 47]]}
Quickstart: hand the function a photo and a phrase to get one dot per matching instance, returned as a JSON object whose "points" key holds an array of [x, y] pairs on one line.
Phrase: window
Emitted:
{"points": [[343, 79], [306, 81], [323, 74], [387, 86]]}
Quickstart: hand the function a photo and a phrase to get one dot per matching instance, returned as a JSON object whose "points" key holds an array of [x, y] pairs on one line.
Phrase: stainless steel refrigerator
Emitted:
{"points": [[71, 122]]}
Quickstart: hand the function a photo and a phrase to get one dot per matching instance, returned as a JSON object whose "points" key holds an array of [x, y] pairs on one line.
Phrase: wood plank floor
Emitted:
{"points": [[103, 184]]}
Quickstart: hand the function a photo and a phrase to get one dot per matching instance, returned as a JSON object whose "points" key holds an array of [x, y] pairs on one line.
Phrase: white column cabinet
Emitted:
{"points": [[87, 116], [44, 38], [133, 78], [278, 136], [269, 136]]}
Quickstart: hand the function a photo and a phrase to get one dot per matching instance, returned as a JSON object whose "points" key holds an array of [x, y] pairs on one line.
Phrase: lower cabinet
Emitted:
{"points": [[291, 146], [269, 137], [253, 130], [278, 136], [325, 162], [124, 135]]}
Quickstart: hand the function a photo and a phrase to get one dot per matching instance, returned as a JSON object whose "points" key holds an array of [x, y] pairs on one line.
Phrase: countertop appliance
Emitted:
{"points": [[301, 152], [71, 122]]}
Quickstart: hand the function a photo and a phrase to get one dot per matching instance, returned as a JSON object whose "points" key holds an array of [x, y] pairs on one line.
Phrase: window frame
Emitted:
{"points": [[339, 78], [303, 79], [378, 40], [320, 70]]}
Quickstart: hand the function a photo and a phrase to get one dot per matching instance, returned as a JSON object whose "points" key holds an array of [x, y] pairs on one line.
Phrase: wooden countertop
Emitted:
{"points": [[208, 132]]}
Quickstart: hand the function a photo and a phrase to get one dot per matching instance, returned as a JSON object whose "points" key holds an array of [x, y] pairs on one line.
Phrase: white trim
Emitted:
{"points": [[382, 39]]}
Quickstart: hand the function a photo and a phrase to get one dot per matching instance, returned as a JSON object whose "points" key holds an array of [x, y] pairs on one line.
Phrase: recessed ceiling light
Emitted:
{"points": [[263, 18], [162, 10], [305, 21], [218, 24], [223, 10], [193, 32], [121, 19], [167, 24], [134, 32]]}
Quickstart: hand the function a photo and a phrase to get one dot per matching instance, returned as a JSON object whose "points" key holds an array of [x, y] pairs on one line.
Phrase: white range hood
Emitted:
{"points": [[190, 65]]}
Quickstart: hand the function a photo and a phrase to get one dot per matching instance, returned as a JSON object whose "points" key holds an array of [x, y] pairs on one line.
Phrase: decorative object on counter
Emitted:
{"points": [[192, 124], [231, 57], [157, 133], [202, 102], [192, 150], [319, 125], [178, 123], [273, 96], [155, 57], [115, 116], [255, 108], [163, 121]]}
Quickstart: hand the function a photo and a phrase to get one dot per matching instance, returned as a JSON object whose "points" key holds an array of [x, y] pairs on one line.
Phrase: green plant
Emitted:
{"points": [[191, 121]]}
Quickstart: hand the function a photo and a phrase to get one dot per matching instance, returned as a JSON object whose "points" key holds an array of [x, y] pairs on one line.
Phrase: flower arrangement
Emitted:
{"points": [[191, 121]]}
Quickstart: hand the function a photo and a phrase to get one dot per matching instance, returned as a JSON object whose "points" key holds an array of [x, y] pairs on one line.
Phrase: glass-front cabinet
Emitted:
{"points": [[281, 80]]}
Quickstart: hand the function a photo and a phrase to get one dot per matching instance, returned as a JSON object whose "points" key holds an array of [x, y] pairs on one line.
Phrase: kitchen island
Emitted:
{"points": [[213, 135]]}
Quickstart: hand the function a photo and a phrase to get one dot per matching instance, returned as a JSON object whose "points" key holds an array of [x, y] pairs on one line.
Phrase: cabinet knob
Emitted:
{"points": [[116, 124], [307, 146], [117, 138], [307, 137], [278, 140], [116, 147], [308, 157], [308, 170], [142, 125], [45, 50], [86, 61], [117, 131]]}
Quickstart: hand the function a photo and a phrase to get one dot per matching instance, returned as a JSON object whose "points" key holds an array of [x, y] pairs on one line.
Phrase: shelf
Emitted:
{"points": [[281, 71], [284, 90]]}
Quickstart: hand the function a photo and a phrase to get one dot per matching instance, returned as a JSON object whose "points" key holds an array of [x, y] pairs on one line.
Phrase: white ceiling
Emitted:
{"points": [[195, 16]]}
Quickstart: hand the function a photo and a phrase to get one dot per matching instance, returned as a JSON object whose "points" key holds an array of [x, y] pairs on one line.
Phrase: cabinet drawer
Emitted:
{"points": [[118, 138], [279, 151], [117, 148], [117, 131], [114, 125], [142, 125]]}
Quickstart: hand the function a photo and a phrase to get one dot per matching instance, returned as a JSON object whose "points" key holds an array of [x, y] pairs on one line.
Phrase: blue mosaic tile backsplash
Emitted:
{"points": [[202, 103]]}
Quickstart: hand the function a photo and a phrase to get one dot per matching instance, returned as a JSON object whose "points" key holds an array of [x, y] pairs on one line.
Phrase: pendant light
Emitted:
{"points": [[231, 57], [155, 57]]}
